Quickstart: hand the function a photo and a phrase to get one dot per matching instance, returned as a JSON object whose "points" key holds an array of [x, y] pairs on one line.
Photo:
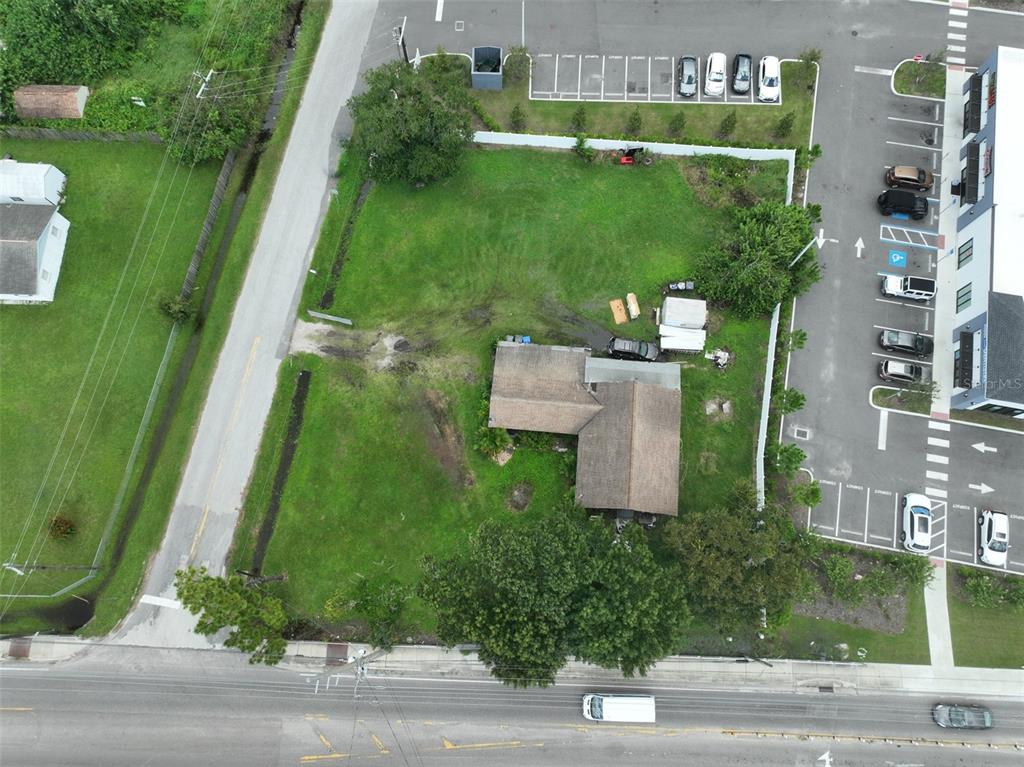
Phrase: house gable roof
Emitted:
{"points": [[21, 226]]}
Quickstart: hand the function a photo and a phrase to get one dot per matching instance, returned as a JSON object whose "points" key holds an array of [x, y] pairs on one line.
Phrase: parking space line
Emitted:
{"points": [[938, 425], [939, 475], [850, 532], [909, 306], [974, 524], [878, 537], [886, 327], [923, 147], [960, 553], [602, 78], [895, 517], [883, 426], [897, 357], [916, 122], [839, 506], [579, 77], [649, 62], [932, 458], [938, 442], [936, 492], [867, 512], [555, 86]]}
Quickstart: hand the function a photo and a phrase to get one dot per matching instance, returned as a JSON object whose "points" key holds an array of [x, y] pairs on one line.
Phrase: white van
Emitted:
{"points": [[599, 707]]}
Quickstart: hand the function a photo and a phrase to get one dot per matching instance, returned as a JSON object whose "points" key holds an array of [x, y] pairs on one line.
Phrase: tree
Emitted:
{"points": [[737, 559], [791, 341], [413, 125], [256, 619], [809, 59], [578, 122], [785, 458], [517, 64], [808, 494], [517, 119], [677, 124], [784, 126], [751, 268], [379, 602], [634, 611], [789, 401], [728, 124], [582, 148], [635, 123]]}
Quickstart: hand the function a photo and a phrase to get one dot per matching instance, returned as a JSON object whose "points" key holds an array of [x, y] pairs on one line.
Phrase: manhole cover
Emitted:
{"points": [[460, 26], [801, 433]]}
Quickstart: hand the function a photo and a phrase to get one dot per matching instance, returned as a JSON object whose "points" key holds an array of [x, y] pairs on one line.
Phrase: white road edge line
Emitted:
{"points": [[883, 426]]}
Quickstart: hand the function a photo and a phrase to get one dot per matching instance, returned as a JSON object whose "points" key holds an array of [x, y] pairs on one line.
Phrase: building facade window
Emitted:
{"points": [[965, 253], [963, 297], [1001, 410]]}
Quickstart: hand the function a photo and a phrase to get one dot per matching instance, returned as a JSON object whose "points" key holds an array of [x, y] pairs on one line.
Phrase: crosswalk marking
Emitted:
{"points": [[932, 458], [939, 475], [938, 426], [938, 442]]}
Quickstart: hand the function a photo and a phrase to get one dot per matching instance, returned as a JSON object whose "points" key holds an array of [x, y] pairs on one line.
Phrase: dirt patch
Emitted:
{"points": [[478, 317], [325, 340], [708, 463], [520, 497], [715, 320], [718, 409], [385, 353], [887, 615], [444, 441]]}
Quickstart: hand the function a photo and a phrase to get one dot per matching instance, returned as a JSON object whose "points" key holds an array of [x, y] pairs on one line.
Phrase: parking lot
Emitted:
{"points": [[622, 77]]}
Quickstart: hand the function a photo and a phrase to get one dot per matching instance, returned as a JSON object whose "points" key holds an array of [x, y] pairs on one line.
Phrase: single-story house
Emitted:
{"points": [[625, 414], [33, 233], [50, 101]]}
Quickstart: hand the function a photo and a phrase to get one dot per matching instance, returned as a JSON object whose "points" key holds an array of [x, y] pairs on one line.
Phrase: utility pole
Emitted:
{"points": [[398, 33], [206, 82]]}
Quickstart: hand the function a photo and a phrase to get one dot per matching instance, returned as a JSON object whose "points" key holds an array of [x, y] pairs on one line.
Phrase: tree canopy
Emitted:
{"points": [[751, 268], [256, 619], [414, 124], [530, 597], [737, 560]]}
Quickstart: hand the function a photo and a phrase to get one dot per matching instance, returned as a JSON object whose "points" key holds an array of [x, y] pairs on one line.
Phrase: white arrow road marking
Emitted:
{"points": [[982, 488], [981, 447], [859, 245]]}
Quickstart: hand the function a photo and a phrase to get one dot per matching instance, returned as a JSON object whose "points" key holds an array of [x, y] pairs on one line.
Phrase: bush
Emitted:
{"points": [[807, 494], [517, 64], [728, 124], [784, 126], [489, 441], [380, 604], [517, 119], [841, 585], [983, 590], [578, 122], [809, 57], [62, 528], [677, 124], [535, 440], [177, 308], [583, 149], [789, 401], [635, 123], [785, 459]]}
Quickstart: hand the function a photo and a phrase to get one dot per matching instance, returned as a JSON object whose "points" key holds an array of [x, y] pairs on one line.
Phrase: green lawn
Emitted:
{"points": [[985, 637], [755, 124], [911, 646], [921, 78], [518, 241], [47, 350]]}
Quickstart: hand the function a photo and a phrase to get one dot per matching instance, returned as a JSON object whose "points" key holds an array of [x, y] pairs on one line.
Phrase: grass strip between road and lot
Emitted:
{"points": [[920, 78], [984, 637]]}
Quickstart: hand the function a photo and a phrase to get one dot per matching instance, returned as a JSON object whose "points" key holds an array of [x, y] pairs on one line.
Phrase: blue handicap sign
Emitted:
{"points": [[898, 259], [901, 216]]}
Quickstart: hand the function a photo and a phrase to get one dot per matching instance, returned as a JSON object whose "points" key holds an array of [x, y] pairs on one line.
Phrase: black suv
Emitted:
{"points": [[902, 201], [628, 349]]}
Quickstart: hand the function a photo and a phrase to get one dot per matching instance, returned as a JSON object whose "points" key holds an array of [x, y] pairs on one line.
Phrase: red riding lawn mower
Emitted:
{"points": [[634, 155]]}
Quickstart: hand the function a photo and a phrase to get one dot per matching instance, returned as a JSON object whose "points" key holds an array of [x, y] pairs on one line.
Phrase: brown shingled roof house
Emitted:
{"points": [[626, 415], [50, 101]]}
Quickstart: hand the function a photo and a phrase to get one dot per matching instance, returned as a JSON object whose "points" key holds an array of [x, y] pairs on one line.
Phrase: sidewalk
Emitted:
{"points": [[936, 609]]}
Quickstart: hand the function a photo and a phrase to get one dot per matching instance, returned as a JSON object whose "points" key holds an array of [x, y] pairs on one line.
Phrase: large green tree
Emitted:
{"points": [[737, 559], [531, 597], [413, 124], [751, 268], [256, 619]]}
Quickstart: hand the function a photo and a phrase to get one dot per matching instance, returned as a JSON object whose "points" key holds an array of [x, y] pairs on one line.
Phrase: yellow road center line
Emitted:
{"points": [[16, 708], [449, 746], [380, 745], [327, 744]]}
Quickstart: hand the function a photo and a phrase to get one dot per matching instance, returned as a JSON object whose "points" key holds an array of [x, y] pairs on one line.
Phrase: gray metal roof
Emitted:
{"points": [[1005, 375], [20, 229], [607, 370]]}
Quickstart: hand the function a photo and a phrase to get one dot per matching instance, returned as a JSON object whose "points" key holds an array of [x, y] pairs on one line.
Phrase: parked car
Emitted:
{"points": [[714, 77], [916, 534], [628, 349], [962, 717], [909, 177], [993, 537], [902, 201], [914, 288], [898, 371], [769, 79], [688, 76], [906, 342], [742, 70]]}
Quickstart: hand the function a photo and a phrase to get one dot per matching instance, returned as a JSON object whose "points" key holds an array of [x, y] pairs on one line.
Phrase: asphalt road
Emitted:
{"points": [[864, 460], [206, 509], [202, 708]]}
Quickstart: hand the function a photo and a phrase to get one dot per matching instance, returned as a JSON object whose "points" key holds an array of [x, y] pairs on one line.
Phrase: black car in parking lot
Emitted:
{"points": [[902, 201], [742, 71], [906, 342]]}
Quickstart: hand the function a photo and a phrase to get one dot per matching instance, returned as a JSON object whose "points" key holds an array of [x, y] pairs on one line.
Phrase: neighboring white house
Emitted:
{"points": [[32, 232]]}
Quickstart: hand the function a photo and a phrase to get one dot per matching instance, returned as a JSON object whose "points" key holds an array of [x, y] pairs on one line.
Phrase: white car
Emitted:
{"points": [[916, 534], [714, 77], [993, 537], [769, 79]]}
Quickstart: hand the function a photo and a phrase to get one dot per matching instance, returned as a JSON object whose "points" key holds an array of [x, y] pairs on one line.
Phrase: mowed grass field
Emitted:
{"points": [[76, 374], [518, 241], [984, 637]]}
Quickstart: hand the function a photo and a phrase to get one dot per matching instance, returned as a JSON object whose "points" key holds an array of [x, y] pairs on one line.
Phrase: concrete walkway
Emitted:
{"points": [[936, 608], [206, 509]]}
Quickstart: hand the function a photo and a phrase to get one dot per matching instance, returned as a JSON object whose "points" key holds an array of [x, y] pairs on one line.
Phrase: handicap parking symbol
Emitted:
{"points": [[898, 259]]}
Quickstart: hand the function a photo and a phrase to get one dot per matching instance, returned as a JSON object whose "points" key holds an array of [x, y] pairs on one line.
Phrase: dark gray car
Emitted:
{"points": [[906, 342], [962, 717], [628, 349], [742, 71], [687, 76]]}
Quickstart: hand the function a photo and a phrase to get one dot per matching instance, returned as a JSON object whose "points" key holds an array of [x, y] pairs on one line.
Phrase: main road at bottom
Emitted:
{"points": [[173, 713]]}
